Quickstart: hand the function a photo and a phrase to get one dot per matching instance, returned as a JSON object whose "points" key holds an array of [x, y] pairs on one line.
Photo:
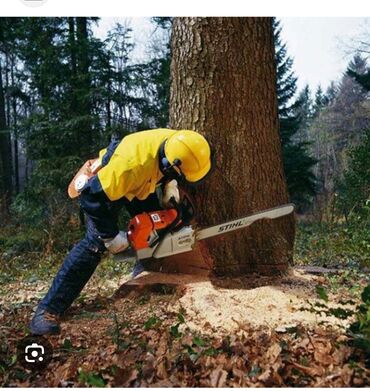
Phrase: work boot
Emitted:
{"points": [[43, 322]]}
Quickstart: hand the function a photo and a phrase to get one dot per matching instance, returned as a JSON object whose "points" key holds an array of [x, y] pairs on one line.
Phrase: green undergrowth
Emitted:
{"points": [[31, 254], [333, 245]]}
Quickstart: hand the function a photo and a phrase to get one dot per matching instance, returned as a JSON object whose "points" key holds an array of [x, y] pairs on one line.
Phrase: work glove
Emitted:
{"points": [[170, 194], [118, 244]]}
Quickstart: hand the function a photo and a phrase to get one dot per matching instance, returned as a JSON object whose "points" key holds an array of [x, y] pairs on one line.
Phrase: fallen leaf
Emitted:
{"points": [[218, 377], [341, 354], [147, 371], [273, 352], [161, 370], [310, 371], [322, 353], [346, 375], [238, 373], [265, 376], [64, 372], [125, 376], [166, 383]]}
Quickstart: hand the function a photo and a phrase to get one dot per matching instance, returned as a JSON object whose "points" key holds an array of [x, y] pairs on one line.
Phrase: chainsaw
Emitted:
{"points": [[168, 232]]}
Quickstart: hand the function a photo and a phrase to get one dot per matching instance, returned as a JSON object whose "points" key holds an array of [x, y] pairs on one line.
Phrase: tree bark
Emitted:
{"points": [[224, 86]]}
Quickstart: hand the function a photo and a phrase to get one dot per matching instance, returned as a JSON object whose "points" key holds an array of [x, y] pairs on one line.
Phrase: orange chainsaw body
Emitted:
{"points": [[144, 227]]}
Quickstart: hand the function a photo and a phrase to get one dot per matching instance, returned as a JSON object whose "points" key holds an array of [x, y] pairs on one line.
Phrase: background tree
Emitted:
{"points": [[10, 107], [320, 101], [5, 152], [354, 188], [293, 115], [120, 100], [154, 76], [336, 129], [304, 113], [224, 85]]}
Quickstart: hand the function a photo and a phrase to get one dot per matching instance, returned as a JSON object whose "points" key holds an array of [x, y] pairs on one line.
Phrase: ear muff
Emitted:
{"points": [[165, 163], [170, 171]]}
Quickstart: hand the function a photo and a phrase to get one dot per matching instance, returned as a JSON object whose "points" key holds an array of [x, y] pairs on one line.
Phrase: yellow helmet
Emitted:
{"points": [[193, 151]]}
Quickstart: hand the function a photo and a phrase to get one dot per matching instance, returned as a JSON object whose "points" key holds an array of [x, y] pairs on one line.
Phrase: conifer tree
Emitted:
{"points": [[154, 76], [337, 129], [293, 114], [304, 112], [354, 188], [331, 93], [5, 139], [320, 101]]}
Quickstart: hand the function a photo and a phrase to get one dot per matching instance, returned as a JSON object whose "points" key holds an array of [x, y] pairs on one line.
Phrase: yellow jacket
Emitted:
{"points": [[133, 169]]}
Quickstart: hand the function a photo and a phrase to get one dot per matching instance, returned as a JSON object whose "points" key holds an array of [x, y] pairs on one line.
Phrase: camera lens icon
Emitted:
{"points": [[34, 352]]}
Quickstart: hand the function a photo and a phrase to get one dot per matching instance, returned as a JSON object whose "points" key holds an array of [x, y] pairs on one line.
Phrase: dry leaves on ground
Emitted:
{"points": [[143, 341]]}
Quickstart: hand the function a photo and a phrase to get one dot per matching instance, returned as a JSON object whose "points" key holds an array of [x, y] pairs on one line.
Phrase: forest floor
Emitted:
{"points": [[250, 331], [254, 331]]}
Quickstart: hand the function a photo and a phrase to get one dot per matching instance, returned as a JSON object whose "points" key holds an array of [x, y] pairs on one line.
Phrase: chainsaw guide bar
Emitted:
{"points": [[243, 222]]}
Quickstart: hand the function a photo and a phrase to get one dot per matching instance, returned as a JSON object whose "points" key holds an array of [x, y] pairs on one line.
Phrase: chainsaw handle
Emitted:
{"points": [[178, 218]]}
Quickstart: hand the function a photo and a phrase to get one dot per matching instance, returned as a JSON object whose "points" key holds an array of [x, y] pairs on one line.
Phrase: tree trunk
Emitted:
{"points": [[109, 96], [15, 130], [223, 85], [73, 61], [5, 153], [84, 82], [74, 109]]}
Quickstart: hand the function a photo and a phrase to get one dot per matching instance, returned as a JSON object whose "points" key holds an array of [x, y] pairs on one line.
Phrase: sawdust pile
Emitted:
{"points": [[233, 304], [225, 305]]}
